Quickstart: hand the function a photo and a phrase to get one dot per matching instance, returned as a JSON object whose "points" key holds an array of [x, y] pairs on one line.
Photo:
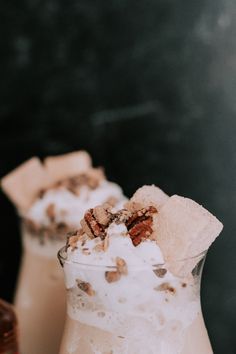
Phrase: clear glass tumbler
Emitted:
{"points": [[40, 298], [149, 310]]}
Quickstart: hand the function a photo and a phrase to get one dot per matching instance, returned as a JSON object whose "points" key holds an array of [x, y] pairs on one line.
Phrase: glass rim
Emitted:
{"points": [[62, 257]]}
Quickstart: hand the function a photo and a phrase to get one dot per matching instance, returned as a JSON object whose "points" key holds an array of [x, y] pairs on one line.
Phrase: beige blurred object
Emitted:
{"points": [[150, 195], [184, 229], [24, 183], [67, 165]]}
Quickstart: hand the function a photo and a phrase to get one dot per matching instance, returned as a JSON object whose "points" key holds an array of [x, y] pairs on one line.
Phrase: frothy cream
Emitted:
{"points": [[68, 207]]}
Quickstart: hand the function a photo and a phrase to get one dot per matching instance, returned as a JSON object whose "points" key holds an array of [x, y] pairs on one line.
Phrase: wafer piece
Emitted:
{"points": [[67, 165], [150, 195], [183, 230], [23, 184]]}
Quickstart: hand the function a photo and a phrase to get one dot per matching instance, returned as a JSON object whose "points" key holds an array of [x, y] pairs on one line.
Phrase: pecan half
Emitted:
{"points": [[96, 221], [139, 224], [102, 215]]}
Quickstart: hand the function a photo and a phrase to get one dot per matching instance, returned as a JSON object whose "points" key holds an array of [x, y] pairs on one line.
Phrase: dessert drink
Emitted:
{"points": [[133, 277], [51, 197]]}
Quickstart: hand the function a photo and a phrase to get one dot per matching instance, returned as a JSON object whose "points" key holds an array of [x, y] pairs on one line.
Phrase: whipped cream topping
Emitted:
{"points": [[68, 207], [119, 245]]}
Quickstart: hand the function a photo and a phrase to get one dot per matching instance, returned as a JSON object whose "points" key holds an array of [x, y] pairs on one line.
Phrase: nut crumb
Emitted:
{"points": [[86, 287], [106, 243], [50, 211], [122, 216], [160, 272], [86, 251], [166, 287], [73, 242], [112, 276], [121, 266], [139, 225]]}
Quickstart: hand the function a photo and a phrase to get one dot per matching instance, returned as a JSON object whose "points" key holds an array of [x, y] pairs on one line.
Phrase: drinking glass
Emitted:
{"points": [[150, 310], [40, 298]]}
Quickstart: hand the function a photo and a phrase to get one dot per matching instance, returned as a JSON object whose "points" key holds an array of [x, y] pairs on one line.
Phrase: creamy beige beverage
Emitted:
{"points": [[128, 291], [41, 311], [61, 189]]}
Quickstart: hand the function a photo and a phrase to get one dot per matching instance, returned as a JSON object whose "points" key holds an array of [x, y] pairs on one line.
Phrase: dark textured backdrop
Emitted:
{"points": [[148, 87]]}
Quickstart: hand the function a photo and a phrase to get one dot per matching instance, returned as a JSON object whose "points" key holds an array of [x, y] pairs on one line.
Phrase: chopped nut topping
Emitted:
{"points": [[122, 216], [106, 243], [102, 215], [52, 231], [160, 272], [96, 229], [86, 251], [86, 287], [73, 237], [139, 225], [112, 276], [102, 246], [99, 247], [121, 266], [50, 211], [166, 287], [96, 221], [73, 242], [31, 226]]}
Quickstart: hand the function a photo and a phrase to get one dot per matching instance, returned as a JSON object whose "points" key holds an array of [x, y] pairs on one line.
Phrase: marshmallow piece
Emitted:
{"points": [[24, 183], [150, 195], [68, 165], [184, 229]]}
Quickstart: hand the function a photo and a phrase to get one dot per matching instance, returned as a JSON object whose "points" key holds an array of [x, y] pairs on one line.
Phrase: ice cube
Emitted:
{"points": [[24, 183], [184, 229]]}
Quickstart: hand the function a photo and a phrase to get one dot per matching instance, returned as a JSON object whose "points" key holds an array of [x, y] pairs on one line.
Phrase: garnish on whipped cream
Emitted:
{"points": [[149, 220]]}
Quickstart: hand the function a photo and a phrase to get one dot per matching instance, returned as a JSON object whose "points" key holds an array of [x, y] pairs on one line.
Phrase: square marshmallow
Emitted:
{"points": [[68, 165], [24, 183], [184, 229], [150, 195]]}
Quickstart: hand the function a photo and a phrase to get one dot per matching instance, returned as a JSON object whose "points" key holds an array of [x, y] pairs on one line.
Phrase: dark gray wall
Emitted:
{"points": [[148, 87]]}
